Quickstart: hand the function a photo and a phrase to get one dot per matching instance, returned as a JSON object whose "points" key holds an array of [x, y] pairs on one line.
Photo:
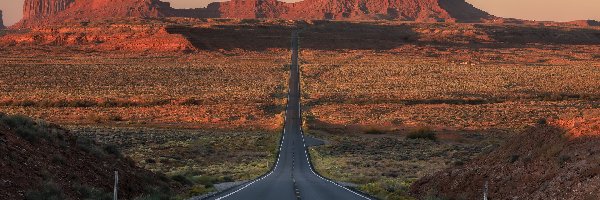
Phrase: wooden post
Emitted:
{"points": [[116, 185], [485, 191]]}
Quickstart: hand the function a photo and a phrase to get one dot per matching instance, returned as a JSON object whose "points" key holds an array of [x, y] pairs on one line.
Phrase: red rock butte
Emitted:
{"points": [[1, 21], [39, 12]]}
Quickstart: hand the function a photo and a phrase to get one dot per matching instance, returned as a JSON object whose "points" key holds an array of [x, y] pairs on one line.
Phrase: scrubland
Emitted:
{"points": [[212, 91], [394, 101], [372, 105]]}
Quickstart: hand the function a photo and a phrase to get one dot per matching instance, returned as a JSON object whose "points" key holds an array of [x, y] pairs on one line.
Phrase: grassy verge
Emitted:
{"points": [[384, 165], [198, 159]]}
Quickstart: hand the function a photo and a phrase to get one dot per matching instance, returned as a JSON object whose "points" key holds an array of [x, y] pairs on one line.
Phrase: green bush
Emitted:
{"points": [[422, 133], [47, 191], [160, 193], [374, 132], [199, 190], [112, 150], [182, 179], [393, 189], [88, 145], [542, 121]]}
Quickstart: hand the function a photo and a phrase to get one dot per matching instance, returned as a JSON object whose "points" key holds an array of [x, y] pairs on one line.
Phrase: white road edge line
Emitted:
{"points": [[276, 163], [334, 183]]}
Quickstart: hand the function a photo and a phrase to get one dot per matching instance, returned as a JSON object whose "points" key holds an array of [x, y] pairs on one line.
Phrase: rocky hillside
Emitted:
{"points": [[40, 12], [45, 161], [557, 159]]}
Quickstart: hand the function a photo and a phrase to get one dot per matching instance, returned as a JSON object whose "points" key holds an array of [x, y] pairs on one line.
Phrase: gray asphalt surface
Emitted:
{"points": [[293, 176]]}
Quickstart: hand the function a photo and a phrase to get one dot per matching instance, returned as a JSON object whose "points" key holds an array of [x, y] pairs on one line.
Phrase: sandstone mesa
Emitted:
{"points": [[40, 12]]}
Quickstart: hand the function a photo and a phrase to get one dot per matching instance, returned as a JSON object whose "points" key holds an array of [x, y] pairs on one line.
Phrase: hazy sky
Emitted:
{"points": [[553, 10]]}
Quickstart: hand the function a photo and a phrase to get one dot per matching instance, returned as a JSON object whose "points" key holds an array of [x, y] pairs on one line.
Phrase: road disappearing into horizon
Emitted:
{"points": [[292, 177]]}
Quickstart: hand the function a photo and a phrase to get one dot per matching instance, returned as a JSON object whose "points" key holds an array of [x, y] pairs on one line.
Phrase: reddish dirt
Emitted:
{"points": [[557, 159], [27, 164], [42, 12]]}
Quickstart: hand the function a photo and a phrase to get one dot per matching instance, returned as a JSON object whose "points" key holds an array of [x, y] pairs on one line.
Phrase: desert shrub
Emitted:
{"points": [[393, 189], [88, 145], [563, 159], [199, 190], [191, 102], [59, 159], [114, 117], [159, 193], [542, 121], [422, 133], [513, 158], [25, 127], [250, 21], [184, 180], [208, 181], [374, 132], [434, 197], [112, 150], [47, 191], [91, 193]]}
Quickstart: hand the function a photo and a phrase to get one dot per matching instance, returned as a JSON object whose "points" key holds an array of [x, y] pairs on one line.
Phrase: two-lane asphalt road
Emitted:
{"points": [[293, 176]]}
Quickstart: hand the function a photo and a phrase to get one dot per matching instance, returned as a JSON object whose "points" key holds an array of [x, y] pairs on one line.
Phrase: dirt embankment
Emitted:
{"points": [[45, 160], [556, 159]]}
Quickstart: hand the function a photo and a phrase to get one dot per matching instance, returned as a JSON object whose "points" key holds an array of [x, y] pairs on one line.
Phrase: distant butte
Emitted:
{"points": [[39, 12], [1, 21]]}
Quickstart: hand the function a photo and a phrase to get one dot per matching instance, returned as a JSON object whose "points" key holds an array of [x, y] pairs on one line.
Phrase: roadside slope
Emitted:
{"points": [[557, 159], [45, 160]]}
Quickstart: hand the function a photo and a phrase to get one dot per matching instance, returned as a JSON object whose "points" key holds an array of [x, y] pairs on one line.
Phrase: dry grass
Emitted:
{"points": [[471, 84], [196, 158], [472, 96], [210, 89]]}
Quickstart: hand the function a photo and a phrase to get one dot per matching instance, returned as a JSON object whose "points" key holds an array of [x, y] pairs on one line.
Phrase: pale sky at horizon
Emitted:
{"points": [[543, 10]]}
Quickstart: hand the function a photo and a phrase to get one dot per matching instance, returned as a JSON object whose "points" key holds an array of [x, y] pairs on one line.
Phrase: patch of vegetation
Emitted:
{"points": [[392, 189], [112, 150], [90, 193], [542, 121], [374, 131], [513, 158], [47, 191], [90, 146], [422, 133], [27, 128], [157, 193], [199, 184]]}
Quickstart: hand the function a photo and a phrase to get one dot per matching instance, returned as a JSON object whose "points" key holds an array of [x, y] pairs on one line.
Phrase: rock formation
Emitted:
{"points": [[1, 21], [38, 12], [35, 9]]}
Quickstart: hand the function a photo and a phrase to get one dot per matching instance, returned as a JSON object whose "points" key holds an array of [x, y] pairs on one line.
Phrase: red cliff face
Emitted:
{"points": [[41, 12], [411, 10], [44, 8]]}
